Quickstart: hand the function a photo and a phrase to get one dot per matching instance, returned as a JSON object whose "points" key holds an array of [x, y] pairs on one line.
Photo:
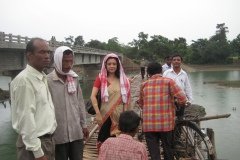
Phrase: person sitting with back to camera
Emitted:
{"points": [[124, 146]]}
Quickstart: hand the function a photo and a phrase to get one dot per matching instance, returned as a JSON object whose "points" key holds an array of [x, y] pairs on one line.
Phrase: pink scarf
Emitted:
{"points": [[124, 82]]}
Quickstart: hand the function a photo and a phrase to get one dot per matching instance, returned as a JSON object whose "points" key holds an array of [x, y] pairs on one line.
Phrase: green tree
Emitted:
{"points": [[142, 41], [219, 46], [216, 50], [179, 45], [198, 53], [113, 45], [140, 46], [235, 46], [79, 41], [96, 44], [69, 40], [159, 46]]}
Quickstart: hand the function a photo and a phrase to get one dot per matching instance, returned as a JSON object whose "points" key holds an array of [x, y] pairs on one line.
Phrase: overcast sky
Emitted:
{"points": [[105, 19]]}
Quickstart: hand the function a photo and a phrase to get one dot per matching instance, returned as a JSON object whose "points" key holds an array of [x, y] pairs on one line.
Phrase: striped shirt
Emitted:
{"points": [[156, 99]]}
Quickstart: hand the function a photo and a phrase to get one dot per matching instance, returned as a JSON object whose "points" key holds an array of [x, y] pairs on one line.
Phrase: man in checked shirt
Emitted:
{"points": [[158, 110]]}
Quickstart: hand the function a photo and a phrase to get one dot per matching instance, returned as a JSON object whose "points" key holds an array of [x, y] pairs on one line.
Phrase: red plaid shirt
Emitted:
{"points": [[123, 147], [156, 99]]}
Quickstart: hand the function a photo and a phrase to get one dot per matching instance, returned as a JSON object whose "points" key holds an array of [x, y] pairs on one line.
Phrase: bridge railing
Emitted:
{"points": [[52, 43], [13, 38]]}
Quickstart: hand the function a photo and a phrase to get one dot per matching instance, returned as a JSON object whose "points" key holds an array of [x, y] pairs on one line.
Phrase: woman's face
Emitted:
{"points": [[111, 65]]}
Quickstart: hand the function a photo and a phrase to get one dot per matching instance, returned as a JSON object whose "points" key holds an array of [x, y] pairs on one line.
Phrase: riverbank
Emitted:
{"points": [[209, 68], [197, 68]]}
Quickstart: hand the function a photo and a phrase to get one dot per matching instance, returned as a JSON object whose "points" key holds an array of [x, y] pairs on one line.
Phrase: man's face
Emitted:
{"points": [[40, 57], [67, 62], [169, 61], [176, 62]]}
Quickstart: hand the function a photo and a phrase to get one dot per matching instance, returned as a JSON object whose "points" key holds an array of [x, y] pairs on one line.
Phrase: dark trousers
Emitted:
{"points": [[47, 145], [72, 150], [153, 144], [104, 132], [142, 72]]}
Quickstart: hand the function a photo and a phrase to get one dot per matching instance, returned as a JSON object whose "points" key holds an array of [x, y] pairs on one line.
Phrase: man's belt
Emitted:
{"points": [[46, 136]]}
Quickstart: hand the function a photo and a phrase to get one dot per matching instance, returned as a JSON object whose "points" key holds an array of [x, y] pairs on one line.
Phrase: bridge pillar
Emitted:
{"points": [[87, 71]]}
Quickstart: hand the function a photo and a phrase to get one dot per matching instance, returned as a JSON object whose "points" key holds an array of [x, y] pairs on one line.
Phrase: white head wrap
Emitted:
{"points": [[58, 56]]}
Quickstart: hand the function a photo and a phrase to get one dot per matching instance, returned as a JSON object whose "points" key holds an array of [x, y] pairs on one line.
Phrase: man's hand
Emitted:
{"points": [[86, 133], [188, 104], [41, 158]]}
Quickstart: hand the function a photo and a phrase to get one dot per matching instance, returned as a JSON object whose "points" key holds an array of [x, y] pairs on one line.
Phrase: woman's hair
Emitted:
{"points": [[117, 73], [128, 121], [154, 68]]}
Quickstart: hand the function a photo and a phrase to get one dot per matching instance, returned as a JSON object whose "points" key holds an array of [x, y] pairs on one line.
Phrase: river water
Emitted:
{"points": [[215, 99], [220, 100]]}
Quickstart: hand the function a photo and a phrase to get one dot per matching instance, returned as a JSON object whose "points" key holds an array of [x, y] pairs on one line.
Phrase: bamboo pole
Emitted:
{"points": [[210, 117], [91, 133]]}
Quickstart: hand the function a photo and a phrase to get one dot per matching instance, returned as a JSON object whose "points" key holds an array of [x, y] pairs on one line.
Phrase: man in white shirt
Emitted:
{"points": [[167, 65], [180, 77], [33, 115]]}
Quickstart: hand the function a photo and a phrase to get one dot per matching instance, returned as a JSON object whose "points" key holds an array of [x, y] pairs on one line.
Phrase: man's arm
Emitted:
{"points": [[177, 92], [82, 108], [23, 111], [188, 90]]}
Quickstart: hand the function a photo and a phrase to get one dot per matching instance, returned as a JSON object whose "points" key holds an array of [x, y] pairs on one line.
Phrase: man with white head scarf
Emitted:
{"points": [[69, 106]]}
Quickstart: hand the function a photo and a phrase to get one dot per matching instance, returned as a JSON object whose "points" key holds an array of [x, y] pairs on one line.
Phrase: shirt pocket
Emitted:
{"points": [[41, 95]]}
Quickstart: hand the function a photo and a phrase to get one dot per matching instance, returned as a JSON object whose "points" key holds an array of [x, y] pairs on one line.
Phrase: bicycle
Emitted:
{"points": [[189, 141]]}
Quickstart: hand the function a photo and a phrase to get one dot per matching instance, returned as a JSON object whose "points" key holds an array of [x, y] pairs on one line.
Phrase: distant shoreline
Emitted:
{"points": [[197, 68]]}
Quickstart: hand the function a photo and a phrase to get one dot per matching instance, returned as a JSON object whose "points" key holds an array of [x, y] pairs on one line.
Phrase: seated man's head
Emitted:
{"points": [[129, 122]]}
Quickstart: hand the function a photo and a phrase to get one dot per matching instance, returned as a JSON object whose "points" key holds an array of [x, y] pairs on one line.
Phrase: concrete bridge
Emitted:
{"points": [[13, 59]]}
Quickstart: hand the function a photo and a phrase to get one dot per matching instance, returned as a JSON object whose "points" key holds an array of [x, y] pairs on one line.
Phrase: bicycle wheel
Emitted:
{"points": [[191, 142]]}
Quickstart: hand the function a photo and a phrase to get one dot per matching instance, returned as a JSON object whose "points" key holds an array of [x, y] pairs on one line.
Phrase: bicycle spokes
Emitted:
{"points": [[189, 142]]}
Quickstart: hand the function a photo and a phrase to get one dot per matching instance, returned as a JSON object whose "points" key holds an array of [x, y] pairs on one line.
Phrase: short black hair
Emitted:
{"points": [[30, 45], [129, 121], [177, 55], [67, 52], [167, 57], [154, 68]]}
